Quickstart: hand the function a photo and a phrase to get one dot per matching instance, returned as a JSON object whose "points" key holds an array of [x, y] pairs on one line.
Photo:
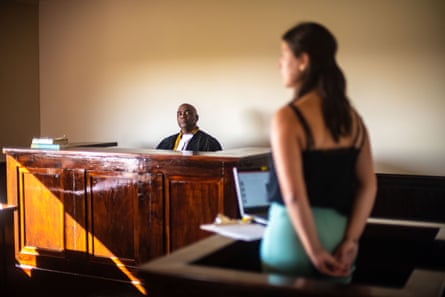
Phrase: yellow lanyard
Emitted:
{"points": [[178, 139]]}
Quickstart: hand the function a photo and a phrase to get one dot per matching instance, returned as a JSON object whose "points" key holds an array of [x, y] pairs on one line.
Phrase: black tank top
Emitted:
{"points": [[329, 174]]}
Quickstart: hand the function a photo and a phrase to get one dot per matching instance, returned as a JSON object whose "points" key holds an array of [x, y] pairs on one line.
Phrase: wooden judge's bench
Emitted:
{"points": [[104, 211]]}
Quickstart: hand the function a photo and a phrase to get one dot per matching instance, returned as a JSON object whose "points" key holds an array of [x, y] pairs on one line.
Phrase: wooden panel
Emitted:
{"points": [[149, 218], [2, 182], [410, 197], [39, 204], [75, 210], [111, 201], [6, 245], [193, 201], [125, 216], [51, 213]]}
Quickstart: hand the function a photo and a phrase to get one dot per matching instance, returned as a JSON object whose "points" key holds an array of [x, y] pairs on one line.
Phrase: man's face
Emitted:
{"points": [[187, 118]]}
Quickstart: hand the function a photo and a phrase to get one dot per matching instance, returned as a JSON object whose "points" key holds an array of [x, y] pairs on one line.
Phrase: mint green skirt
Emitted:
{"points": [[281, 251]]}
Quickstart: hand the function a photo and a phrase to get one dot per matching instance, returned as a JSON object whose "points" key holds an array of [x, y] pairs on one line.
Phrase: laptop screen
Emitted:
{"points": [[251, 188]]}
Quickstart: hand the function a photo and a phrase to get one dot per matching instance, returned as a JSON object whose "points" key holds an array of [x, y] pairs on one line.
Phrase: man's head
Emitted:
{"points": [[187, 117]]}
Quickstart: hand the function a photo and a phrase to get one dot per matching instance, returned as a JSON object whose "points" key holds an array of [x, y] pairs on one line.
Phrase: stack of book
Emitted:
{"points": [[47, 143]]}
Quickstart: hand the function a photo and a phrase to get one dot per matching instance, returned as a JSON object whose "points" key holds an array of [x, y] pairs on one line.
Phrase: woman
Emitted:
{"points": [[322, 185]]}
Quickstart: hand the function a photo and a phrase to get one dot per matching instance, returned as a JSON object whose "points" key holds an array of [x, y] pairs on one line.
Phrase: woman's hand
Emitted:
{"points": [[345, 255], [328, 264]]}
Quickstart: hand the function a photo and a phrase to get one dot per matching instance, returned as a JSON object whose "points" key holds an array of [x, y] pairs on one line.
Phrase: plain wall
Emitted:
{"points": [[117, 70], [19, 73]]}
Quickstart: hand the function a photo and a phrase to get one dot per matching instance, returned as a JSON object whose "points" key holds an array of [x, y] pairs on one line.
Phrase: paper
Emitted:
{"points": [[246, 232]]}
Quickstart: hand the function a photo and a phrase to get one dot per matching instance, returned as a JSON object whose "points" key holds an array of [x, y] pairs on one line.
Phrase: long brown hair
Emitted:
{"points": [[322, 74]]}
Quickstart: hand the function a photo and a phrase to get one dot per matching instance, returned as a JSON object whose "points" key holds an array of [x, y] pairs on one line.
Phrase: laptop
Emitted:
{"points": [[251, 192]]}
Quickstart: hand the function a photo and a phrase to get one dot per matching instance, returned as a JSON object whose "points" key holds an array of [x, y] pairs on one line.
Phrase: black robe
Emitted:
{"points": [[200, 141]]}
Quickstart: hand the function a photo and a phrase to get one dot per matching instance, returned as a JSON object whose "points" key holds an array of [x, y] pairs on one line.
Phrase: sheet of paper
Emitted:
{"points": [[246, 232]]}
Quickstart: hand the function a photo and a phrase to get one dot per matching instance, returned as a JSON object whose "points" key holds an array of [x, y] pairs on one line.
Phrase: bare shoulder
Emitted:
{"points": [[282, 116], [285, 124]]}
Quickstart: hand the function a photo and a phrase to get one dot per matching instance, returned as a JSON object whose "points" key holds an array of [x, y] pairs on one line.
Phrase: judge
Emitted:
{"points": [[190, 137]]}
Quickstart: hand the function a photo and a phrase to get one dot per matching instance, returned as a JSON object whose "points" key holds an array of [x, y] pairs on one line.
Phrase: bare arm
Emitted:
{"points": [[363, 203], [365, 195]]}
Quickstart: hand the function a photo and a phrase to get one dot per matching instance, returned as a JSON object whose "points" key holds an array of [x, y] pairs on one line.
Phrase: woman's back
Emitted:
{"points": [[311, 110], [328, 166]]}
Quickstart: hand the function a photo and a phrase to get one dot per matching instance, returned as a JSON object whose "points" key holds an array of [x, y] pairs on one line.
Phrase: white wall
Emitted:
{"points": [[117, 70]]}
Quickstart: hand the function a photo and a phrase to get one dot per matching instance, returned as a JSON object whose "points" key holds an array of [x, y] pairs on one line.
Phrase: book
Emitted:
{"points": [[61, 146], [48, 140], [48, 146]]}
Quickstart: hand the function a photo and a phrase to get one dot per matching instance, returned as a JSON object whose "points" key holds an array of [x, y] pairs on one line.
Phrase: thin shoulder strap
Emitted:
{"points": [[307, 129]]}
